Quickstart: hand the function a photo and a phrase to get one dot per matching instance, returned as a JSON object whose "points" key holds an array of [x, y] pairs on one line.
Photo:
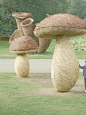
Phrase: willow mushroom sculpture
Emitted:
{"points": [[15, 34], [28, 27], [44, 43], [22, 46], [65, 66], [19, 17]]}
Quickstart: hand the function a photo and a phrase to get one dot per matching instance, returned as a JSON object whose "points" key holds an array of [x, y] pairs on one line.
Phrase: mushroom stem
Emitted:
{"points": [[27, 27], [65, 66], [21, 65], [43, 44]]}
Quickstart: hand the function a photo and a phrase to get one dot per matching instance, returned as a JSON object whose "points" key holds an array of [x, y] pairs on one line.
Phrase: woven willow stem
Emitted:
{"points": [[27, 27], [65, 66], [44, 44], [21, 65]]}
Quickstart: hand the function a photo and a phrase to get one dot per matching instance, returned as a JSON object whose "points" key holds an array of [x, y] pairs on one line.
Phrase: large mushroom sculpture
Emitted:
{"points": [[65, 66], [22, 46]]}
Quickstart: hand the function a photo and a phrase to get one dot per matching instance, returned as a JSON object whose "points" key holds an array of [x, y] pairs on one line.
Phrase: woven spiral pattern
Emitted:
{"points": [[49, 32], [65, 66], [21, 66], [62, 20], [60, 24]]}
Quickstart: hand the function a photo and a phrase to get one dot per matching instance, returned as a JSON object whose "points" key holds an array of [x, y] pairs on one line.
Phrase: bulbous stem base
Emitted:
{"points": [[65, 66], [21, 65]]}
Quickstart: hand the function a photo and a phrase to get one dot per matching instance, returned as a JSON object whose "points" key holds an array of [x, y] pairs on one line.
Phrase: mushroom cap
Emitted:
{"points": [[21, 15], [24, 44], [60, 24], [27, 21]]}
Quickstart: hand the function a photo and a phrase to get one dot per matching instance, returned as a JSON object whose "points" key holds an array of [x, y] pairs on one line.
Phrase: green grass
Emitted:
{"points": [[4, 47], [18, 96], [81, 54], [5, 53]]}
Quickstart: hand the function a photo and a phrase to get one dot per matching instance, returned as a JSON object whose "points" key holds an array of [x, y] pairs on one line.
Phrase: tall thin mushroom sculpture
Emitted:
{"points": [[28, 27], [44, 43], [65, 66], [19, 17], [22, 46]]}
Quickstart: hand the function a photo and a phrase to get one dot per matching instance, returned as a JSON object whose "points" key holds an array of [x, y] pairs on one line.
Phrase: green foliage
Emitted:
{"points": [[56, 6], [79, 42], [39, 8], [7, 21], [78, 7]]}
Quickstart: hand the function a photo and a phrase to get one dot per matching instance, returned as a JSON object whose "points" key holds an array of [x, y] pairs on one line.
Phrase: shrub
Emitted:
{"points": [[39, 8], [79, 43]]}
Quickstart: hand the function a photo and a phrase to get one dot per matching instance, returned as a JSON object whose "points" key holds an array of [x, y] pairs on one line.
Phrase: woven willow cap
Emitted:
{"points": [[21, 15], [24, 44], [60, 24]]}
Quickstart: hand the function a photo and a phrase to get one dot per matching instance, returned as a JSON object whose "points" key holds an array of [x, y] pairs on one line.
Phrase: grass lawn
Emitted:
{"points": [[35, 95], [5, 53]]}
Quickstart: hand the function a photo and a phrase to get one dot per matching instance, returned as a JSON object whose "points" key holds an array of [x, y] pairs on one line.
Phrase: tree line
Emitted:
{"points": [[39, 8]]}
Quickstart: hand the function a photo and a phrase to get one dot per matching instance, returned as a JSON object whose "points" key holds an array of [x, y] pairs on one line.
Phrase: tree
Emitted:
{"points": [[39, 8], [78, 7], [56, 6]]}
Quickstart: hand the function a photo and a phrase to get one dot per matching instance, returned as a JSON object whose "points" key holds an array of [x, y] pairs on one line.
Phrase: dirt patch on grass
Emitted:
{"points": [[46, 87], [77, 90], [49, 89], [52, 92], [40, 78]]}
